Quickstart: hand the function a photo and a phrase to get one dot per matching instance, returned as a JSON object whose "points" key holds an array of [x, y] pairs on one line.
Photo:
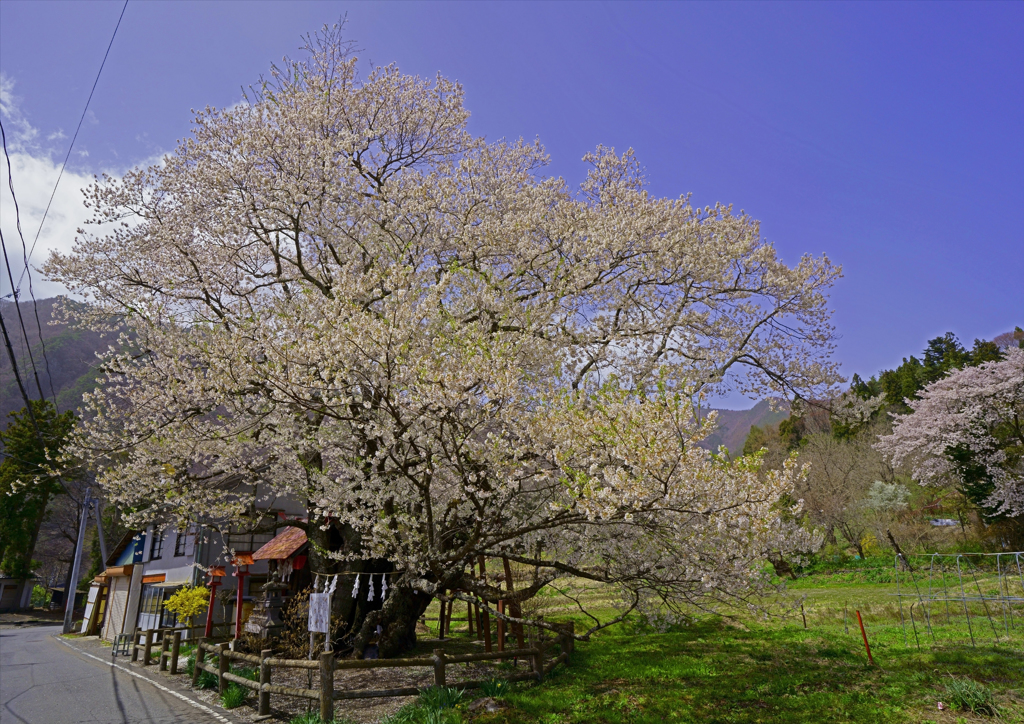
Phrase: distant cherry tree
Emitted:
{"points": [[967, 429]]}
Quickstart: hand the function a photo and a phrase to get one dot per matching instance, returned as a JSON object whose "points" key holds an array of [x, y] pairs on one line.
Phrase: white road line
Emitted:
{"points": [[137, 675]]}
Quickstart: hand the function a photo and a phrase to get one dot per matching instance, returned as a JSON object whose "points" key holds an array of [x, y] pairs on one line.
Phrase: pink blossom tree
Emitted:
{"points": [[967, 429]]}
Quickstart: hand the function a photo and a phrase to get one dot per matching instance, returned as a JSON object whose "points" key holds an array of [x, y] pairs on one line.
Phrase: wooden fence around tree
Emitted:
{"points": [[169, 641]]}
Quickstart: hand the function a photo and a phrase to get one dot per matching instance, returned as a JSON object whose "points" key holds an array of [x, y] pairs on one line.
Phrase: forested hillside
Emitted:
{"points": [[734, 425], [70, 358]]}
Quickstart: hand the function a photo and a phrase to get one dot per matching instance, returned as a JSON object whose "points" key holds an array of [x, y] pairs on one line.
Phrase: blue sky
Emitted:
{"points": [[888, 135]]}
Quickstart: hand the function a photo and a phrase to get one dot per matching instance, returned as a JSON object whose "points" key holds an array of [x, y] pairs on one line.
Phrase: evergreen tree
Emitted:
{"points": [[26, 481]]}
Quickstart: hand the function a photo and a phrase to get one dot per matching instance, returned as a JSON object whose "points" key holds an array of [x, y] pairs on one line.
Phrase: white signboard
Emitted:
{"points": [[319, 612]]}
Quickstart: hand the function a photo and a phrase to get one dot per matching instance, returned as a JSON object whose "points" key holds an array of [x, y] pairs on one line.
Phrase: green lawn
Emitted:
{"points": [[777, 671], [711, 672]]}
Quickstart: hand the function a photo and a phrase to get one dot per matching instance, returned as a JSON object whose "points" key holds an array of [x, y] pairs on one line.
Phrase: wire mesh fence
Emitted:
{"points": [[963, 596]]}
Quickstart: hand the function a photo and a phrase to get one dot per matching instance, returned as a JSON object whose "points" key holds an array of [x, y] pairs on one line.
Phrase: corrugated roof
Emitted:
{"points": [[284, 545]]}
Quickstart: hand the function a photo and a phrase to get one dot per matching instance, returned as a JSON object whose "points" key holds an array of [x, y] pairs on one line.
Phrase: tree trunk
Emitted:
{"points": [[397, 619]]}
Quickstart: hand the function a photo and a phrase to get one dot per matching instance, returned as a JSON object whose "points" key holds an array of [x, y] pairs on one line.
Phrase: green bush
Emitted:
{"points": [[40, 597], [246, 672], [969, 695], [438, 698], [409, 714], [441, 716], [495, 688], [234, 696], [207, 680], [314, 718]]}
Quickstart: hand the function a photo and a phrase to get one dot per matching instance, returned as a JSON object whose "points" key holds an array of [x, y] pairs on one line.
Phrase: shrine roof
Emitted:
{"points": [[283, 545]]}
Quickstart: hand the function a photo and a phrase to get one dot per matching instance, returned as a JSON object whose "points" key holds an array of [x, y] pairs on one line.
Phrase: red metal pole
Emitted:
{"points": [[240, 575], [214, 582], [864, 634]]}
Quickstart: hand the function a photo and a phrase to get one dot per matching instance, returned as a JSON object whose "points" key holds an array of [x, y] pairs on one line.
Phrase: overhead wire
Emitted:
{"points": [[15, 294], [17, 308], [79, 128]]}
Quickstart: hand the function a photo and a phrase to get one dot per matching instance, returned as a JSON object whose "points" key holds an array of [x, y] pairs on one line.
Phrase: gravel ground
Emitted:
{"points": [[368, 711]]}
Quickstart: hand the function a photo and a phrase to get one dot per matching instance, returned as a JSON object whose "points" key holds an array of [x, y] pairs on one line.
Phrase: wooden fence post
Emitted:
{"points": [[469, 617], [222, 666], [200, 658], [566, 642], [175, 650], [264, 679], [149, 647], [439, 667], [135, 641], [327, 686], [165, 646]]}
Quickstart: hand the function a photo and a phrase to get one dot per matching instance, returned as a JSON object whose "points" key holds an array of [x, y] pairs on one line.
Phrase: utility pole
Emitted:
{"points": [[69, 595], [98, 512]]}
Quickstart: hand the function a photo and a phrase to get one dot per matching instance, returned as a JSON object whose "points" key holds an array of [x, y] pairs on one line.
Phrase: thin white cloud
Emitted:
{"points": [[34, 171]]}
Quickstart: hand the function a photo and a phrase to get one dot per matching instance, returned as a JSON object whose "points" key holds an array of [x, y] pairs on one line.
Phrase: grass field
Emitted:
{"points": [[717, 670]]}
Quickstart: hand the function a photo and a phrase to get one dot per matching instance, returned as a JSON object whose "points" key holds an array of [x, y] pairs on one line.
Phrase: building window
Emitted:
{"points": [[158, 545], [179, 543], [151, 599]]}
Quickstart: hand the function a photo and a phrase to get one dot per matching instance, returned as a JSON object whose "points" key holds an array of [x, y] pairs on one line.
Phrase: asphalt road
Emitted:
{"points": [[43, 681]]}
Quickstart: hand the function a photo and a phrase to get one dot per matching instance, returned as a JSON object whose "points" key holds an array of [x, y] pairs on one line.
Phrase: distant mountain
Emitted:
{"points": [[734, 425], [70, 358]]}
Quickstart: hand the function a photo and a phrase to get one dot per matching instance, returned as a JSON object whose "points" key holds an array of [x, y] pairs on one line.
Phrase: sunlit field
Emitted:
{"points": [[746, 669]]}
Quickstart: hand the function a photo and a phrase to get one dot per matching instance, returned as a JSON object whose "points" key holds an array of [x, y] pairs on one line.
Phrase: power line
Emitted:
{"points": [[17, 375], [80, 120], [17, 308], [35, 306]]}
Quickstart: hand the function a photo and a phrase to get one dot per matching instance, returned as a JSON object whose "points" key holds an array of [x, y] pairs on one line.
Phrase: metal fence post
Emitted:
{"points": [[327, 686], [175, 650], [200, 658], [222, 667], [264, 680]]}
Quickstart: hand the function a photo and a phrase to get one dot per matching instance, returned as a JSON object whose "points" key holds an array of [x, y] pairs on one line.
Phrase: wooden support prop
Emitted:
{"points": [[485, 619], [148, 650], [501, 626], [469, 617], [515, 609], [803, 615], [864, 634], [439, 667], [440, 619], [200, 658], [264, 709], [327, 686], [175, 651], [165, 647], [222, 666]]}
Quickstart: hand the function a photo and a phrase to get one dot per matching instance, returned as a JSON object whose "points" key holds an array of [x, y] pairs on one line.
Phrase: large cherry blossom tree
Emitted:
{"points": [[335, 292], [968, 429]]}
